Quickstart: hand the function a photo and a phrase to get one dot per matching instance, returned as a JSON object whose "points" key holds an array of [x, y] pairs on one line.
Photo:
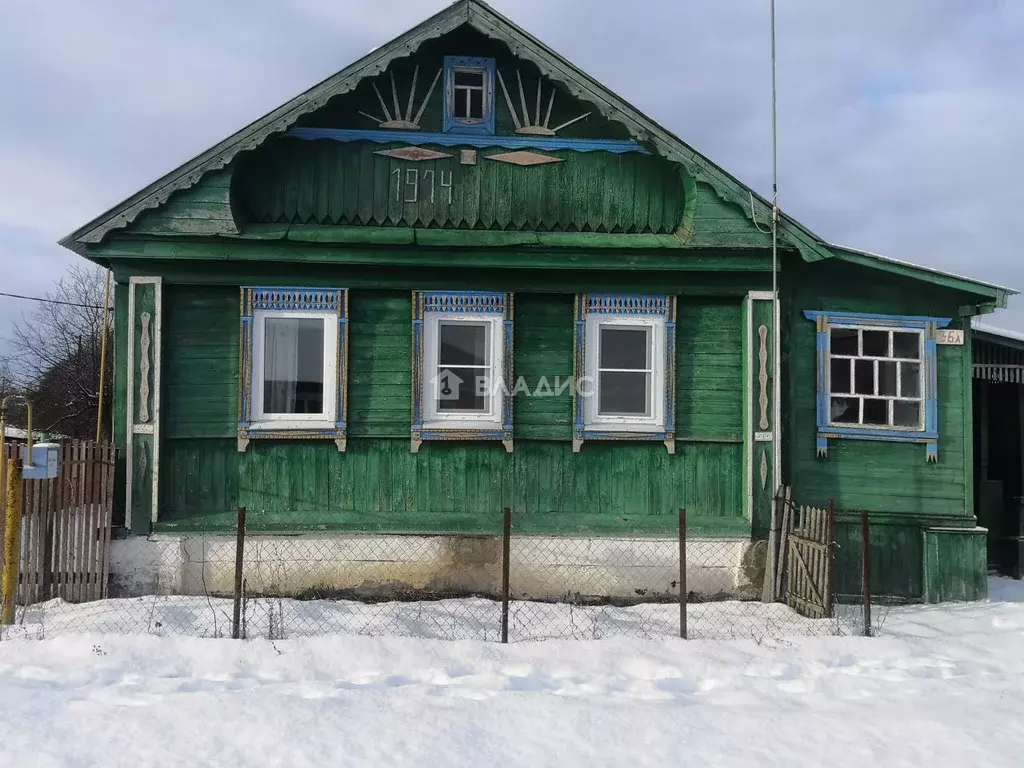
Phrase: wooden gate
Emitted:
{"points": [[808, 551], [65, 526]]}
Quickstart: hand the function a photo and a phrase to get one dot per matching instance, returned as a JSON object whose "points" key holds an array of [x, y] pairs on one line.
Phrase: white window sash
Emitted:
{"points": [[492, 417], [655, 371], [261, 420]]}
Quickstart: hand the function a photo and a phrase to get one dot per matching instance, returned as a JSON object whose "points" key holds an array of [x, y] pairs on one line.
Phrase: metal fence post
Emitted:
{"points": [[12, 534], [866, 570], [682, 574], [505, 547], [239, 561]]}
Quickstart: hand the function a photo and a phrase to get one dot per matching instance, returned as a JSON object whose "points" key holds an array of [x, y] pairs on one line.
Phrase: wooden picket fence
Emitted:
{"points": [[808, 551], [65, 526]]}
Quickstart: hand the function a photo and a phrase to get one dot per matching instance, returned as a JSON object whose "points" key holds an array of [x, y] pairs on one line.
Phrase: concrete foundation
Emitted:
{"points": [[383, 566]]}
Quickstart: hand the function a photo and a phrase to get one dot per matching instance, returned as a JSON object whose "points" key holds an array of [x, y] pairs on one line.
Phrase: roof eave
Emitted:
{"points": [[993, 296]]}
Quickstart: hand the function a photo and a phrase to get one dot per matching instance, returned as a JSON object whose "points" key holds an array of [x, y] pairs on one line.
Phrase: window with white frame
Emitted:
{"points": [[876, 377], [625, 370], [469, 94], [292, 345], [463, 360], [294, 367]]}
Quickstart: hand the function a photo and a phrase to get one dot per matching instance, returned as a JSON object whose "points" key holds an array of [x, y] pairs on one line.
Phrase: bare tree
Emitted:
{"points": [[57, 347]]}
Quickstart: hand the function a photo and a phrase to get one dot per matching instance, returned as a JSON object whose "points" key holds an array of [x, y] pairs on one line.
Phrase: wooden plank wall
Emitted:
{"points": [[66, 525], [379, 485]]}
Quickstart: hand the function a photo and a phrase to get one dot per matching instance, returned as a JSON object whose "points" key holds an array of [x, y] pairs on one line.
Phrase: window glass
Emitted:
{"points": [[468, 94], [876, 343], [293, 365], [462, 380], [841, 380], [906, 413], [845, 341], [624, 373], [845, 410], [906, 345]]}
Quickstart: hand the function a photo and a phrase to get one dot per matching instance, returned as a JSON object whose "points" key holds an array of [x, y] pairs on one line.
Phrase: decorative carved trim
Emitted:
{"points": [[523, 122], [398, 121], [413, 154], [625, 304], [325, 300], [523, 158], [762, 376], [471, 302], [144, 368], [764, 468]]}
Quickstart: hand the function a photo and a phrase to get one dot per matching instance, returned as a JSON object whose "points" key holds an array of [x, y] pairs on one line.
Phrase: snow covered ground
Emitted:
{"points": [[943, 686]]}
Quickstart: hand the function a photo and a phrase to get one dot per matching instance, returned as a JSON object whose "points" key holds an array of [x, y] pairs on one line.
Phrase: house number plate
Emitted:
{"points": [[951, 336]]}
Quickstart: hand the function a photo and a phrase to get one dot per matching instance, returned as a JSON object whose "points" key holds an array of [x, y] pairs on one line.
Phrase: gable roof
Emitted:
{"points": [[483, 18], [996, 295]]}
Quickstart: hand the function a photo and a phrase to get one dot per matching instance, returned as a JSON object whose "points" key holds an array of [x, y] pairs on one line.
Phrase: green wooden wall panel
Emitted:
{"points": [[955, 565], [203, 209], [303, 182], [200, 365], [876, 476], [378, 484], [611, 486], [897, 558], [709, 369]]}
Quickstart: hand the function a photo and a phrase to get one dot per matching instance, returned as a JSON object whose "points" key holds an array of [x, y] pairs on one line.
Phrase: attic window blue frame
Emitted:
{"points": [[469, 95], [293, 364], [877, 378]]}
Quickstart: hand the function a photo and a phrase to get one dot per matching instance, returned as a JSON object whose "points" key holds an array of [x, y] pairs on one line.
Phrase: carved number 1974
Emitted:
{"points": [[411, 183]]}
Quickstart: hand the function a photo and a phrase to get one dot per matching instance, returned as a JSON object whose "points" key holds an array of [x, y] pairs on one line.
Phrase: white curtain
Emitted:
{"points": [[281, 365]]}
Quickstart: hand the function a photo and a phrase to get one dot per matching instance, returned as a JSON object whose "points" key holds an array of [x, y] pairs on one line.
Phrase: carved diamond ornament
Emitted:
{"points": [[522, 157], [414, 154]]}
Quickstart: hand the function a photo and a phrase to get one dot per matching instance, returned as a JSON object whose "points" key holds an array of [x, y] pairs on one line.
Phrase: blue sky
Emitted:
{"points": [[901, 123]]}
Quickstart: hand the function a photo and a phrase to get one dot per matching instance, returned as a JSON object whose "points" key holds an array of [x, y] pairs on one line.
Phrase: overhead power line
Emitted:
{"points": [[50, 301]]}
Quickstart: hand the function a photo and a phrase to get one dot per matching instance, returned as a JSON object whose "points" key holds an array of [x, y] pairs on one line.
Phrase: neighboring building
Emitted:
{"points": [[999, 444], [302, 312]]}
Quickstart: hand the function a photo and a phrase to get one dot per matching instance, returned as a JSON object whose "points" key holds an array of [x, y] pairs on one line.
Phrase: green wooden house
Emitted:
{"points": [[461, 275]]}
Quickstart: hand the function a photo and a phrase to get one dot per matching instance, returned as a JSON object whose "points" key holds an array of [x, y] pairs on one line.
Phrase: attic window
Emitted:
{"points": [[468, 95]]}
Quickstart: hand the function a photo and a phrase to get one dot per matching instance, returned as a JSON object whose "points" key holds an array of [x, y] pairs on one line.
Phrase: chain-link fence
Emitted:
{"points": [[507, 583]]}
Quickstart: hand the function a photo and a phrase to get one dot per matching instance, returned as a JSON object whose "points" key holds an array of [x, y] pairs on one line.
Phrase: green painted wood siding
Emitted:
{"points": [[203, 209], [622, 486], [379, 485], [326, 182], [860, 474]]}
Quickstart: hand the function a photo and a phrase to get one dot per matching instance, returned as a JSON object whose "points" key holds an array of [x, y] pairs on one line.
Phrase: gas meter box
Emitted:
{"points": [[45, 462]]}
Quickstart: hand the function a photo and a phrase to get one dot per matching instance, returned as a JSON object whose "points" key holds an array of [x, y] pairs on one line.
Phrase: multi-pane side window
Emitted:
{"points": [[875, 377], [625, 353], [292, 353], [462, 366], [469, 95]]}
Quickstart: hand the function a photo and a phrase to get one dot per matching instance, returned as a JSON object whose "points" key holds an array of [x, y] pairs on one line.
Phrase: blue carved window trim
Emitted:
{"points": [[327, 301], [625, 305], [454, 303], [454, 124], [826, 430]]}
